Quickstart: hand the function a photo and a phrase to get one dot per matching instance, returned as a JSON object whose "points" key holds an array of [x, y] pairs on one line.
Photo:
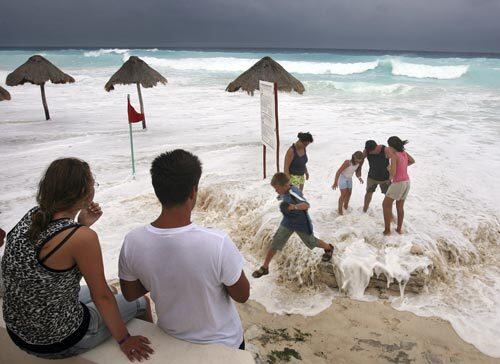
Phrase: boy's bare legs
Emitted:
{"points": [[324, 245], [387, 207], [269, 256], [368, 199], [401, 214]]}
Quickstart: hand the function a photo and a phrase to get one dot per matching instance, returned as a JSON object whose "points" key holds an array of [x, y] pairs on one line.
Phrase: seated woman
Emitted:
{"points": [[46, 312]]}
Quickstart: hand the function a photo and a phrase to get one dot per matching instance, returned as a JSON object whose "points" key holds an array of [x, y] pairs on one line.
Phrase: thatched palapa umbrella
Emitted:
{"points": [[135, 70], [267, 69], [4, 94], [37, 70]]}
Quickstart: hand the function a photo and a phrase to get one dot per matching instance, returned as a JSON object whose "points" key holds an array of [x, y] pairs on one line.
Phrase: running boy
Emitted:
{"points": [[295, 219]]}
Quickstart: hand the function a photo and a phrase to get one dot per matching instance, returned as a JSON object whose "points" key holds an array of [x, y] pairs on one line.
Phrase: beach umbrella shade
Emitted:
{"points": [[267, 69], [136, 71], [4, 94], [38, 70]]}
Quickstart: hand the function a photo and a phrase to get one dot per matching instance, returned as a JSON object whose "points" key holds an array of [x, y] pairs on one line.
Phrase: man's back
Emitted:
{"points": [[185, 269]]}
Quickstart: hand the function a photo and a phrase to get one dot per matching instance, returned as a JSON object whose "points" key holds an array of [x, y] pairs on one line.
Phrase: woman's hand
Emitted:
{"points": [[137, 348], [307, 176], [90, 215], [361, 180], [335, 185]]}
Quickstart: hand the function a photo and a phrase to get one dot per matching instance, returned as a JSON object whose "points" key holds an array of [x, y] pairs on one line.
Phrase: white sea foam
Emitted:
{"points": [[101, 52], [232, 64], [400, 68], [361, 87]]}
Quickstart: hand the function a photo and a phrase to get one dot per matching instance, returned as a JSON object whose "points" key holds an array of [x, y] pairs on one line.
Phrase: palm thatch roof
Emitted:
{"points": [[135, 70], [37, 70], [267, 69], [4, 94]]}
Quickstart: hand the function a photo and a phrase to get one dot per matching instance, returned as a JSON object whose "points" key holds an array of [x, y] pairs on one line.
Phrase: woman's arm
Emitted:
{"points": [[392, 166], [410, 159], [86, 252], [340, 170], [288, 161]]}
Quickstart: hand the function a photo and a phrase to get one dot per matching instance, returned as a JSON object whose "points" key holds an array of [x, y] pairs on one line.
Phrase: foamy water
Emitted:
{"points": [[447, 107]]}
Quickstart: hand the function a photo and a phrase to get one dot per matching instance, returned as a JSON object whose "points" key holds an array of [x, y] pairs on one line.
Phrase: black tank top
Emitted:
{"points": [[378, 166], [298, 164], [41, 308]]}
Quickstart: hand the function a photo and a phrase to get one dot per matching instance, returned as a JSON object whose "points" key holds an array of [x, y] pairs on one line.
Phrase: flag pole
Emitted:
{"points": [[131, 143]]}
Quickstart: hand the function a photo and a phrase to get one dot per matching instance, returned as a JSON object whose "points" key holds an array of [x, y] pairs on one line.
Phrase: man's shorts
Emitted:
{"points": [[283, 234], [297, 180], [398, 190], [345, 182], [371, 185]]}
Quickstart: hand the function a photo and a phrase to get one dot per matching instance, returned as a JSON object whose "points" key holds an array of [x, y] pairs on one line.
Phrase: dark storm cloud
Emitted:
{"points": [[454, 25]]}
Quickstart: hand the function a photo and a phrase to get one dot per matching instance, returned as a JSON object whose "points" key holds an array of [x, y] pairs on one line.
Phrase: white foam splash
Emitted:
{"points": [[101, 52], [232, 64], [425, 71]]}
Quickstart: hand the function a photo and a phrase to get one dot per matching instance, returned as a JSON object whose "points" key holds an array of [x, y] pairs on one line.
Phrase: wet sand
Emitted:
{"points": [[354, 332]]}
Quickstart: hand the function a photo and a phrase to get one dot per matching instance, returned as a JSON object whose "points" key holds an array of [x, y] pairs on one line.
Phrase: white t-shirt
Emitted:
{"points": [[185, 269]]}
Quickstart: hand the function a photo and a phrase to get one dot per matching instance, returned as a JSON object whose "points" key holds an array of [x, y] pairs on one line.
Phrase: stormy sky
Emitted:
{"points": [[447, 25]]}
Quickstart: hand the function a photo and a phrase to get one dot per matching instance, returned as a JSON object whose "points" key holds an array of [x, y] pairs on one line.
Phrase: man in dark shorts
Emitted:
{"points": [[378, 175]]}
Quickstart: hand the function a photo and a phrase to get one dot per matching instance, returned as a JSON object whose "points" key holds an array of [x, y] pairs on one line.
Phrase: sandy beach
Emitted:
{"points": [[354, 332]]}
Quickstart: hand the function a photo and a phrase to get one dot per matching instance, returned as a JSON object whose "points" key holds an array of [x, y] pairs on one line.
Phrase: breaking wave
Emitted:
{"points": [[416, 70], [101, 52], [232, 64]]}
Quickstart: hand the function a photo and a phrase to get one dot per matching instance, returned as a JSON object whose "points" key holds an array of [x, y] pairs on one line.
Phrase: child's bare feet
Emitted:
{"points": [[340, 212], [387, 232], [399, 231]]}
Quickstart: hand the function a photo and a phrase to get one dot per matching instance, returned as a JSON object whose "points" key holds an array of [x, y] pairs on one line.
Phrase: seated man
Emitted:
{"points": [[192, 272], [295, 220]]}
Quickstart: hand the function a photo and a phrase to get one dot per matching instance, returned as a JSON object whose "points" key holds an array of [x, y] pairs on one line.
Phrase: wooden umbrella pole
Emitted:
{"points": [[277, 127], [142, 106], [44, 102]]}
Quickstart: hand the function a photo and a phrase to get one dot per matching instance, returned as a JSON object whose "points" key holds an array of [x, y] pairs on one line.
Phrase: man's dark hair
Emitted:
{"points": [[370, 145], [174, 174]]}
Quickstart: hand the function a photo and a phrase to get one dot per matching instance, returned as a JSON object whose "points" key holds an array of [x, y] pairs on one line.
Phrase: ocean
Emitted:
{"points": [[446, 105]]}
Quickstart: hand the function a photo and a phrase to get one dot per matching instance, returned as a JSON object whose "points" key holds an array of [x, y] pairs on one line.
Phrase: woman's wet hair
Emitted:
{"points": [[396, 143], [66, 183], [356, 155], [305, 137], [370, 145]]}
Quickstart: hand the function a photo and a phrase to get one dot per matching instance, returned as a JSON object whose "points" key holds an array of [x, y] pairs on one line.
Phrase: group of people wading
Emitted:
{"points": [[387, 169]]}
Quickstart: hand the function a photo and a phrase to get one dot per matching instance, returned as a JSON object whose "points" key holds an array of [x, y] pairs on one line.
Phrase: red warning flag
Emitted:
{"points": [[134, 116]]}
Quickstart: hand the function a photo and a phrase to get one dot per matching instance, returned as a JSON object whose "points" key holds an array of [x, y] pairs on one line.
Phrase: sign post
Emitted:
{"points": [[269, 120]]}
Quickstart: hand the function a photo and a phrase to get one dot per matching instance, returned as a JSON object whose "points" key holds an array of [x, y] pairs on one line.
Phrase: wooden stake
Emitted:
{"points": [[44, 102], [277, 127], [264, 159], [142, 106]]}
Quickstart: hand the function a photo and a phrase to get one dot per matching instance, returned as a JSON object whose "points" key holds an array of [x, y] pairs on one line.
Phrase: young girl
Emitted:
{"points": [[400, 186], [46, 311], [343, 179]]}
